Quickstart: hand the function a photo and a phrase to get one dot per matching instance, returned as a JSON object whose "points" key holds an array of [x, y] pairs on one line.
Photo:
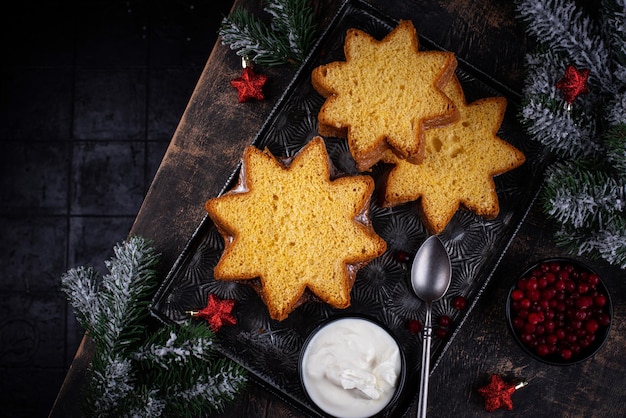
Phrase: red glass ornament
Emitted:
{"points": [[498, 393], [249, 85], [217, 312], [573, 83]]}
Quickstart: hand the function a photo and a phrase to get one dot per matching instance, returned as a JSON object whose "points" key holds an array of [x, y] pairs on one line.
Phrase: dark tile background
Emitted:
{"points": [[90, 95]]}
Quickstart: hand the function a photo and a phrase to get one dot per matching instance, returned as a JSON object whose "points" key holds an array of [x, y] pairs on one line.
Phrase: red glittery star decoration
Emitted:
{"points": [[498, 393], [573, 83], [217, 312], [249, 85]]}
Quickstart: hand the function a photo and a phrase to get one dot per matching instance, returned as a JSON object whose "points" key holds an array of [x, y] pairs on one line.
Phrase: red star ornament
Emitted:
{"points": [[573, 83], [217, 312], [249, 85], [498, 393]]}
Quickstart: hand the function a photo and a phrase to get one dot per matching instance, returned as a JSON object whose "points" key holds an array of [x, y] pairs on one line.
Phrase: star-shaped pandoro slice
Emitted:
{"points": [[385, 94], [459, 164], [294, 228]]}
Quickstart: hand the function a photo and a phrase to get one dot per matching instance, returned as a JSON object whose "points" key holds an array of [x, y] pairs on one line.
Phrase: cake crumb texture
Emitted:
{"points": [[294, 228], [384, 95], [459, 163]]}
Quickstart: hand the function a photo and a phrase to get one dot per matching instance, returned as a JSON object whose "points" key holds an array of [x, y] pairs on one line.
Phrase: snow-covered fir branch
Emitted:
{"points": [[566, 30], [125, 292], [135, 368], [216, 387], [616, 144], [81, 287], [613, 14], [616, 109], [543, 69], [294, 19], [148, 403], [583, 198], [286, 40], [561, 131], [585, 191], [105, 305], [546, 116], [608, 243], [251, 38], [178, 349], [111, 385]]}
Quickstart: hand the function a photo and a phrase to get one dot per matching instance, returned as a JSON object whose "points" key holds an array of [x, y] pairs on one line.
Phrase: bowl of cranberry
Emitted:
{"points": [[559, 311]]}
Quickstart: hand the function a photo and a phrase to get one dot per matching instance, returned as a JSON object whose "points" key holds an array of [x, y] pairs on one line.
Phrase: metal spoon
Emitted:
{"points": [[431, 273]]}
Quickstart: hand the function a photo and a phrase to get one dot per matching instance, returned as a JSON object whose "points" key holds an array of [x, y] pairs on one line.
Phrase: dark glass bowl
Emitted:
{"points": [[395, 403], [586, 349]]}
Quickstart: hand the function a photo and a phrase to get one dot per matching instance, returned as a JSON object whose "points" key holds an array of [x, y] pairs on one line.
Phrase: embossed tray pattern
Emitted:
{"points": [[270, 349]]}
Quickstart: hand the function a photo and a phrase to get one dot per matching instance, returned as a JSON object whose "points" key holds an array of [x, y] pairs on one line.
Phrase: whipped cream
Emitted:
{"points": [[350, 368]]}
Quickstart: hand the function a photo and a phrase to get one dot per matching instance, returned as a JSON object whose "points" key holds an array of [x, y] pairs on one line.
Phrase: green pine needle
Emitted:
{"points": [[582, 195], [137, 371], [172, 346], [287, 40], [615, 139], [608, 244], [585, 190]]}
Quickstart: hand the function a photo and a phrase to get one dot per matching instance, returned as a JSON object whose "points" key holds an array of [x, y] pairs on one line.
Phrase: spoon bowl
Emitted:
{"points": [[431, 270], [431, 274]]}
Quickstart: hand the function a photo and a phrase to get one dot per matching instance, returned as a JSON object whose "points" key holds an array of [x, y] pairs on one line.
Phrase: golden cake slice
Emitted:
{"points": [[294, 228], [459, 163], [384, 95]]}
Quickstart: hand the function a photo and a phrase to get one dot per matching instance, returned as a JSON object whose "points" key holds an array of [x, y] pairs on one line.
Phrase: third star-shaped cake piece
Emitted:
{"points": [[294, 228], [384, 94], [459, 163]]}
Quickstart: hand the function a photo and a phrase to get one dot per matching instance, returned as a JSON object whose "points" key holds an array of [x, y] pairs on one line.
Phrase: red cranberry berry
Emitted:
{"points": [[533, 318], [593, 279], [441, 333], [444, 321], [414, 326], [459, 303], [599, 300], [566, 353], [584, 302], [591, 326], [525, 304], [517, 294], [402, 256]]}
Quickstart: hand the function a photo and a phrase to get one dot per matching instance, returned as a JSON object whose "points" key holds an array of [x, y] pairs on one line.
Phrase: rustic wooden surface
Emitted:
{"points": [[208, 145]]}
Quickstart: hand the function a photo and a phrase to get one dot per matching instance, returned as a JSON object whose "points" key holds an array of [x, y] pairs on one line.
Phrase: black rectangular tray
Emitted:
{"points": [[269, 349]]}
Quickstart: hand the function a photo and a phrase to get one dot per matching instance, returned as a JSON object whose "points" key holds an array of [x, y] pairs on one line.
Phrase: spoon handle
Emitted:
{"points": [[423, 394]]}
